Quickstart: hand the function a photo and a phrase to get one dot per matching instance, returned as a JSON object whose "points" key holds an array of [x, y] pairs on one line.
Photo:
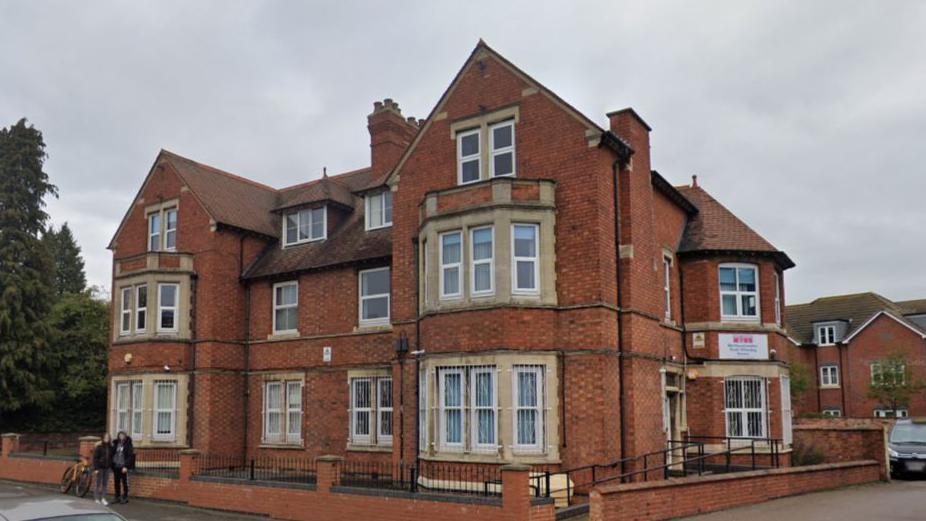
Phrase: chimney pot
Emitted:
{"points": [[377, 106], [694, 181]]}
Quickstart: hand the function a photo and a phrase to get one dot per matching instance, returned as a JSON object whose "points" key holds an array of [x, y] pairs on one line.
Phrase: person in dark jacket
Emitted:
{"points": [[123, 456], [102, 464]]}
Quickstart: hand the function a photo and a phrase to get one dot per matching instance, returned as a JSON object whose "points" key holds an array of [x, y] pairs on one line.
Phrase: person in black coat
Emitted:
{"points": [[123, 460], [102, 464]]}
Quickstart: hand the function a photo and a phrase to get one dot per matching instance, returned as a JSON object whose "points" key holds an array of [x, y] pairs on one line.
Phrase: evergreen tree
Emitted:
{"points": [[26, 286], [69, 265]]}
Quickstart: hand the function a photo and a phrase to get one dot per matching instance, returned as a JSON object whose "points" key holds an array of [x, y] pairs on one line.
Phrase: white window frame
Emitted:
{"points": [[277, 307], [900, 412], [361, 298], [826, 335], [443, 408], [465, 159], [539, 416], [274, 387], [123, 417], [739, 294], [125, 312], [141, 311], [155, 244], [829, 375], [777, 280], [356, 437], [299, 225], [159, 409], [877, 368], [424, 435], [744, 411], [368, 207], [475, 408], [293, 388], [175, 308], [168, 232], [832, 412], [535, 260], [138, 410], [667, 285], [383, 438], [504, 150], [453, 265], [474, 263]]}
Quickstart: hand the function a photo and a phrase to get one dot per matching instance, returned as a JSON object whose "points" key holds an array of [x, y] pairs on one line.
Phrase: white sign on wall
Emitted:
{"points": [[743, 346]]}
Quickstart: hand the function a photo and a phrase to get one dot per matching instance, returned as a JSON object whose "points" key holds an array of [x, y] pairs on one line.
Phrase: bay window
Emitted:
{"points": [[525, 262], [451, 246], [468, 408], [483, 411], [483, 262], [528, 407], [374, 296], [286, 307], [304, 226], [167, 307], [141, 307], [739, 292], [451, 406], [165, 410], [745, 407], [129, 409]]}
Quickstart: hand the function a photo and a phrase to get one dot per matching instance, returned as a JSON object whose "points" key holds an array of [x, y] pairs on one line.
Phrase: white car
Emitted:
{"points": [[54, 508]]}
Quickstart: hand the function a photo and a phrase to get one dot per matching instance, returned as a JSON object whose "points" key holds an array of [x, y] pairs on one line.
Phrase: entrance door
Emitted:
{"points": [[674, 424], [786, 410]]}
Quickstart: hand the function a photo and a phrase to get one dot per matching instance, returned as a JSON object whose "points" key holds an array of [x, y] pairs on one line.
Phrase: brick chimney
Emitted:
{"points": [[629, 126], [390, 134]]}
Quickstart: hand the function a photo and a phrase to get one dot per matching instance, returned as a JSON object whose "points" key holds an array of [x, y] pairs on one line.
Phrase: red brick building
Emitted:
{"points": [[506, 282], [845, 340]]}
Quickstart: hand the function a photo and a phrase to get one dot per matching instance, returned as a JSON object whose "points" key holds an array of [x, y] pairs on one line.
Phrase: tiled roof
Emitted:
{"points": [[228, 199], [248, 205], [913, 307], [715, 228], [854, 309]]}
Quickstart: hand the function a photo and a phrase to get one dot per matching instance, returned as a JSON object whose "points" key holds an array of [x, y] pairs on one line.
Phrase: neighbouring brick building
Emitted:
{"points": [[470, 296], [844, 341]]}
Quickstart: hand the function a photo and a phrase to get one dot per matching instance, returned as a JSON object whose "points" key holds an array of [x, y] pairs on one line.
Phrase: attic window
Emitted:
{"points": [[304, 226], [826, 335], [379, 210]]}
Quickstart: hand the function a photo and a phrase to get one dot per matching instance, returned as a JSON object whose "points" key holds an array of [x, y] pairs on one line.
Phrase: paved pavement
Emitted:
{"points": [[895, 501], [136, 509]]}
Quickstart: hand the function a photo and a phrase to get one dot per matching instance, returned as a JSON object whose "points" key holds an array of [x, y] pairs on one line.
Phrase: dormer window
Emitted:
{"points": [[826, 335], [379, 210], [304, 226]]}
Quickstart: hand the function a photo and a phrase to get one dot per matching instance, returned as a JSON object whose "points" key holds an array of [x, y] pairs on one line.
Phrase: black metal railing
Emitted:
{"points": [[427, 477], [693, 455], [160, 462], [49, 449], [295, 470]]}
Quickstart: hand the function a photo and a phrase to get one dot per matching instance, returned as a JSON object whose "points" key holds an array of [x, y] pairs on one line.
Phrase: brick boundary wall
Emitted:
{"points": [[697, 495], [842, 441], [324, 501]]}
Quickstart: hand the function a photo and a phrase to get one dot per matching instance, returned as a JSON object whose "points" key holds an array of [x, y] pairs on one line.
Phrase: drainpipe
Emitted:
{"points": [[247, 342], [816, 375], [843, 382], [191, 401], [417, 249], [615, 168]]}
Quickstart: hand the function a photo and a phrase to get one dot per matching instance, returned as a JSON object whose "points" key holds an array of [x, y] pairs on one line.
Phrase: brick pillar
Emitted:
{"points": [[516, 492], [328, 472], [189, 464], [10, 444], [87, 444]]}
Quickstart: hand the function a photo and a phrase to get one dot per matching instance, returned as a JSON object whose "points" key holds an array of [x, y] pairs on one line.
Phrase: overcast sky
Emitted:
{"points": [[807, 119]]}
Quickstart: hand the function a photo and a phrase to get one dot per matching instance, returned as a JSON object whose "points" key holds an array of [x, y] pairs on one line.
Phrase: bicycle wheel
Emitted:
{"points": [[66, 481], [84, 483]]}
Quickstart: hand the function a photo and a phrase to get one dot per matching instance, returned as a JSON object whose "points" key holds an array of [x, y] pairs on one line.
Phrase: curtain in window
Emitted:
{"points": [[274, 414], [165, 413], [453, 401], [485, 401], [527, 403]]}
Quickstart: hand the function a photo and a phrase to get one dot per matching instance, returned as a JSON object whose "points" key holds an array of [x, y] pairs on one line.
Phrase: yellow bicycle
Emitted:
{"points": [[79, 477]]}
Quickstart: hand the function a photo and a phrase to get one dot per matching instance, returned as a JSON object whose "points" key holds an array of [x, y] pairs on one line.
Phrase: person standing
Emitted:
{"points": [[102, 464], [123, 456]]}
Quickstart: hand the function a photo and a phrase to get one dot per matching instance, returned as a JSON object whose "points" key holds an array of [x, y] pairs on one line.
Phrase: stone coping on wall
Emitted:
{"points": [[733, 476], [402, 494], [52, 457], [255, 483]]}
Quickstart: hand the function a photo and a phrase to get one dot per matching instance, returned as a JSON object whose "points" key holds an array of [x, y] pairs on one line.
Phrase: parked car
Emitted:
{"points": [[57, 508], [907, 447]]}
